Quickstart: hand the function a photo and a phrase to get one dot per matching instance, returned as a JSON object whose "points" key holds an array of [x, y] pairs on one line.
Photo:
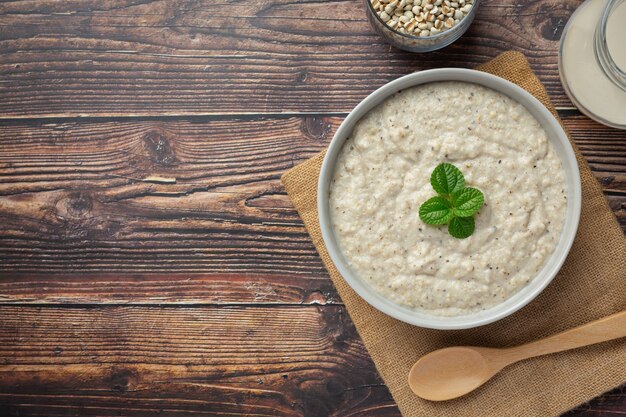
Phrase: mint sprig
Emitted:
{"points": [[455, 205]]}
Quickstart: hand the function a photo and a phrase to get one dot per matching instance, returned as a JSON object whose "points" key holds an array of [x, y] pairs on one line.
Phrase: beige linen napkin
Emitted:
{"points": [[591, 284]]}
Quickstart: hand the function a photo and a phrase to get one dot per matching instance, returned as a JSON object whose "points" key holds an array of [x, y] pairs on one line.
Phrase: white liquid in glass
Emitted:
{"points": [[616, 36], [593, 92]]}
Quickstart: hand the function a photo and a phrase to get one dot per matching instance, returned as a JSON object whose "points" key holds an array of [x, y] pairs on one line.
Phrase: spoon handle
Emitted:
{"points": [[602, 330]]}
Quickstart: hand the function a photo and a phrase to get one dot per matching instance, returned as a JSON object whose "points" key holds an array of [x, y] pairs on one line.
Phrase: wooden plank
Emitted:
{"points": [[189, 57], [167, 289], [279, 361]]}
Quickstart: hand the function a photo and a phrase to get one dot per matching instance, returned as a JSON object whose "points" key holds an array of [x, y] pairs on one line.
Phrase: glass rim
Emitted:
{"points": [[601, 47]]}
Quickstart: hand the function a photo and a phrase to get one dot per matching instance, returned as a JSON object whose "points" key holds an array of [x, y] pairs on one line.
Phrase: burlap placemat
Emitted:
{"points": [[591, 284]]}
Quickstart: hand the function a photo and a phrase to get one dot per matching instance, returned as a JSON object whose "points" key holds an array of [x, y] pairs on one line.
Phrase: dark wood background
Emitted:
{"points": [[205, 297]]}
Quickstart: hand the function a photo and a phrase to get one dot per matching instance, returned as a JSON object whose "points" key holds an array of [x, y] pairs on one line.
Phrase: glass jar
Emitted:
{"points": [[592, 60], [413, 43]]}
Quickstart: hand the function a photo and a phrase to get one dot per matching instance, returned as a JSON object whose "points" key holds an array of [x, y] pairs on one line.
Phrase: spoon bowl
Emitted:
{"points": [[452, 372]]}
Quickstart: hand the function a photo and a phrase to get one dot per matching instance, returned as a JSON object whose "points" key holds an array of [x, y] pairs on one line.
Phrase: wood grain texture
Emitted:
{"points": [[186, 361], [216, 301], [167, 289], [208, 361], [190, 57], [71, 198]]}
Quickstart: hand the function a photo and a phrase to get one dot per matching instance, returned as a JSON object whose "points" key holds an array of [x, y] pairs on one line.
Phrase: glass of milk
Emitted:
{"points": [[592, 60]]}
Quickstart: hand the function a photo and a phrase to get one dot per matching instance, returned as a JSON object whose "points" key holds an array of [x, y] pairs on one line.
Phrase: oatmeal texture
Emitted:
{"points": [[382, 176]]}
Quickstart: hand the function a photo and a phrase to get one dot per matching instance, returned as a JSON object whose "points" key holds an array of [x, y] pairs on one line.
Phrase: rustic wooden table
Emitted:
{"points": [[125, 297]]}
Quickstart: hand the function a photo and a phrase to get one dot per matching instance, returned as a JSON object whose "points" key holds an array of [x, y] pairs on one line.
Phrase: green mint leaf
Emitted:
{"points": [[456, 204], [461, 227], [447, 179], [436, 210], [467, 202]]}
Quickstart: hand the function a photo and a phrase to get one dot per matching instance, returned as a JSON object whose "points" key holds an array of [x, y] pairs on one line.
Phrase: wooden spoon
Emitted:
{"points": [[455, 371]]}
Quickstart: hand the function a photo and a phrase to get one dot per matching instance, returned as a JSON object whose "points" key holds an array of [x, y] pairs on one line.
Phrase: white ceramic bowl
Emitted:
{"points": [[572, 178]]}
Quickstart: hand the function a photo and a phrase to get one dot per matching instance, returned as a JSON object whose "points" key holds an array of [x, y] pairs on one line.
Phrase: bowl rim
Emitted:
{"points": [[553, 264]]}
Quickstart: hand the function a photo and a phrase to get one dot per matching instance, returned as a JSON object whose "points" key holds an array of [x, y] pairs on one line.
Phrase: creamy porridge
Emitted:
{"points": [[382, 176]]}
